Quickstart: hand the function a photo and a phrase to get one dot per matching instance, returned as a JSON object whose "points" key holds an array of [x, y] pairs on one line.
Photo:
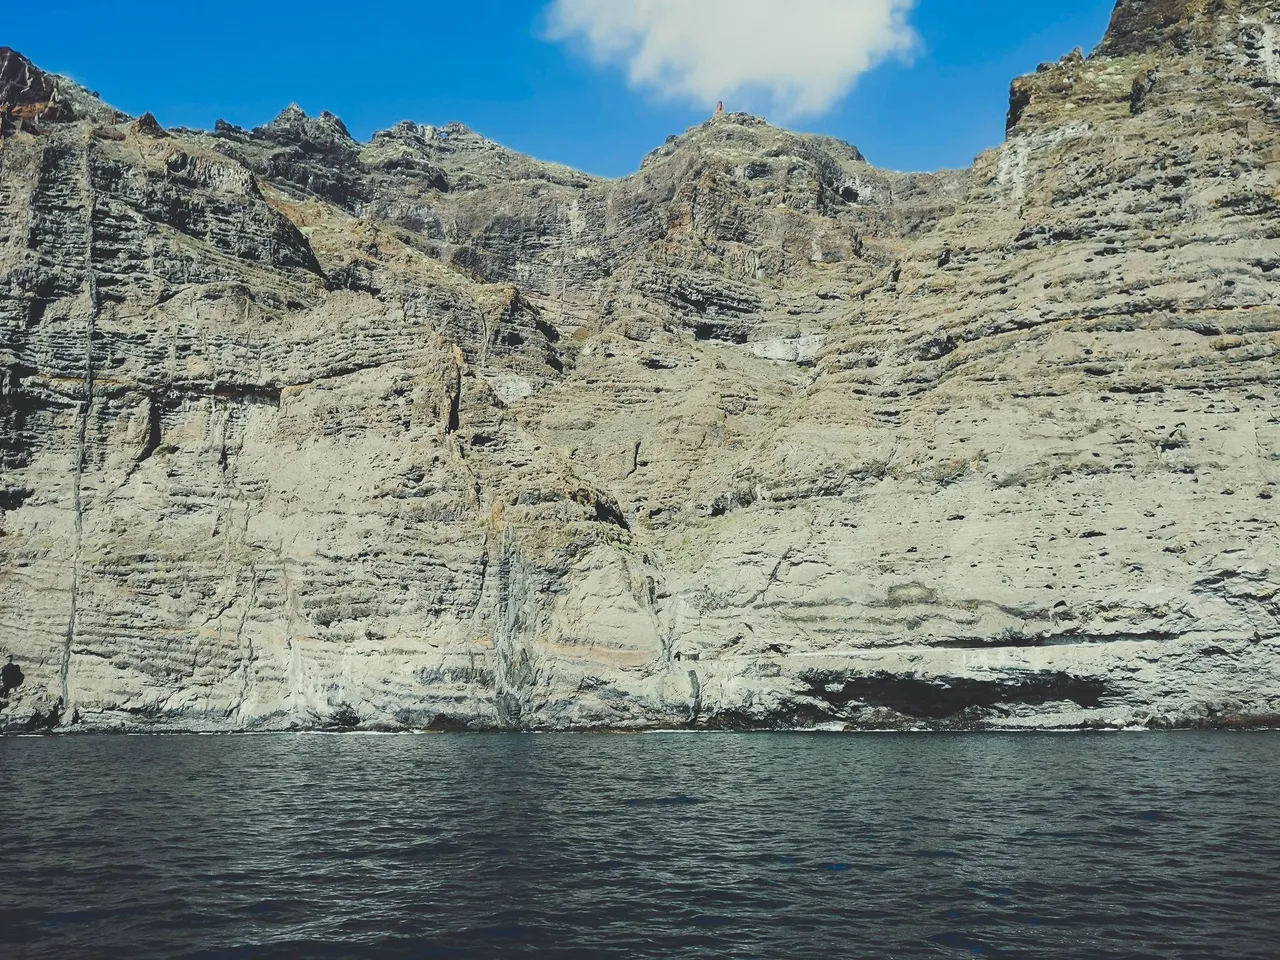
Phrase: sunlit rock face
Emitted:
{"points": [[298, 431]]}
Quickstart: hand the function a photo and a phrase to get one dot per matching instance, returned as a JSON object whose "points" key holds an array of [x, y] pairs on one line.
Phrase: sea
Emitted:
{"points": [[786, 846]]}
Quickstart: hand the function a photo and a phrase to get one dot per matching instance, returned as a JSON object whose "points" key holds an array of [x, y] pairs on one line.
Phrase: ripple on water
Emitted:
{"points": [[671, 847]]}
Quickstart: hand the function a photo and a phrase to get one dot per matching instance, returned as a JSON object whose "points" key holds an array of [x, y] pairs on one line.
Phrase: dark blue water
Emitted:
{"points": [[781, 847]]}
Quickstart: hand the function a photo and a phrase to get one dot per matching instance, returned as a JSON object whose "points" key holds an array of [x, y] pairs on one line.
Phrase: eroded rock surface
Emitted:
{"points": [[423, 433]]}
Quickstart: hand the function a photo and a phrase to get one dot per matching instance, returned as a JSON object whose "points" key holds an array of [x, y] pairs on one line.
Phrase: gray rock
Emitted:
{"points": [[297, 431]]}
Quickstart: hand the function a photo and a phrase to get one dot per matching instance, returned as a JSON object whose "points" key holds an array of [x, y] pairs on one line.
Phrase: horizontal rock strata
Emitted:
{"points": [[420, 433]]}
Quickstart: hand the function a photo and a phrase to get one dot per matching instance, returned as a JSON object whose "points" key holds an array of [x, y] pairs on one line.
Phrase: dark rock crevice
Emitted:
{"points": [[939, 699]]}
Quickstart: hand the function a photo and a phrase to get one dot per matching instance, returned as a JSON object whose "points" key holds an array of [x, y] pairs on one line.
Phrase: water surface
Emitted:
{"points": [[780, 847]]}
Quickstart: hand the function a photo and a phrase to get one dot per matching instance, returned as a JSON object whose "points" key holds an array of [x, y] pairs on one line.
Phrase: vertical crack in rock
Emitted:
{"points": [[517, 674], [453, 392], [482, 589], [294, 699], [82, 428], [154, 435], [244, 642], [667, 639]]}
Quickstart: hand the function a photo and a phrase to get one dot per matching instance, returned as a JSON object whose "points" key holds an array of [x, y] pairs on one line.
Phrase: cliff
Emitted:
{"points": [[299, 431]]}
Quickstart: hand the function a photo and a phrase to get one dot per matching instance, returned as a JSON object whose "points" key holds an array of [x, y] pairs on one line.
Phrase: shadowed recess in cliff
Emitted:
{"points": [[938, 699]]}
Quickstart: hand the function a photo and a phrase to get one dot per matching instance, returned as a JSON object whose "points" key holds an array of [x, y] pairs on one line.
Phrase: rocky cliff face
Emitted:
{"points": [[422, 433]]}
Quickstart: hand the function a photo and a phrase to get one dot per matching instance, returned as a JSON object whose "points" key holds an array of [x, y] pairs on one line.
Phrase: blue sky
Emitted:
{"points": [[492, 65]]}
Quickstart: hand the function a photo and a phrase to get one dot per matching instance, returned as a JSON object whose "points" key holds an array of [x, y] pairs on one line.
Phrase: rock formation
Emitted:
{"points": [[421, 433]]}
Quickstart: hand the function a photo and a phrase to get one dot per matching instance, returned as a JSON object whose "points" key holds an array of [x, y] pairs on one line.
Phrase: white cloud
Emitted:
{"points": [[790, 56]]}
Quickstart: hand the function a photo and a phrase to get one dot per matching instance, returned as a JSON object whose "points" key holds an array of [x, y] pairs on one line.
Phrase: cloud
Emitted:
{"points": [[794, 57]]}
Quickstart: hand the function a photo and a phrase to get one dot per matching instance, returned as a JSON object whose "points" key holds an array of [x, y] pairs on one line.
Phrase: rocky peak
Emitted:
{"points": [[406, 131], [409, 131], [1155, 51], [27, 92], [149, 126], [293, 126], [289, 116], [769, 163], [334, 121], [1142, 26], [740, 135], [467, 159]]}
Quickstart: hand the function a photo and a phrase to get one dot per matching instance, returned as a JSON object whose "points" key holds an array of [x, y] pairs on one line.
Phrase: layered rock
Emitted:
{"points": [[422, 433]]}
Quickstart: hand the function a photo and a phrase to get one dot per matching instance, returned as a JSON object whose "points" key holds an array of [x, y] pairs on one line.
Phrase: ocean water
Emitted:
{"points": [[783, 847]]}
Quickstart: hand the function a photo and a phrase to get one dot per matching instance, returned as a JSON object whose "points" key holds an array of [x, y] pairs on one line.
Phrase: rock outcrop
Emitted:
{"points": [[420, 433]]}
